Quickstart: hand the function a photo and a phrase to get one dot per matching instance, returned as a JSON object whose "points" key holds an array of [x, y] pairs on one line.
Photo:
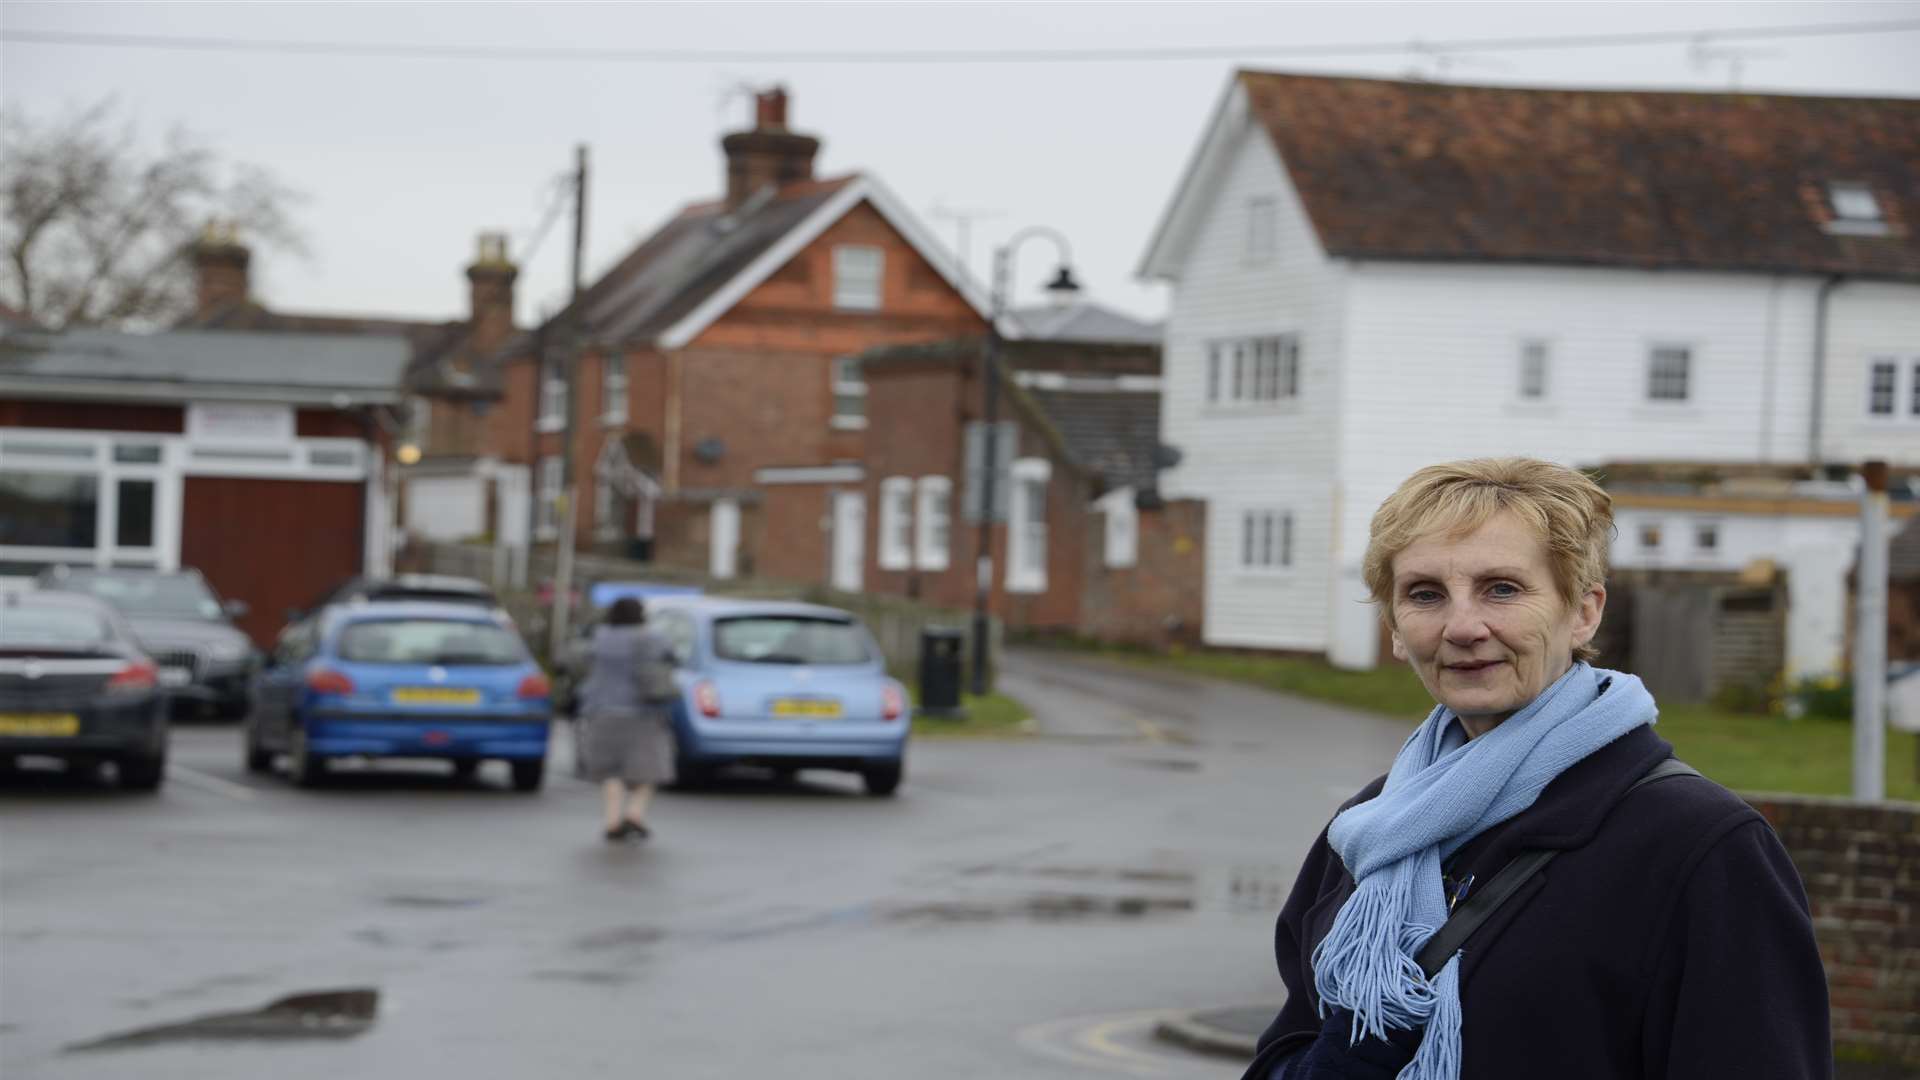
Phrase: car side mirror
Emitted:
{"points": [[235, 608]]}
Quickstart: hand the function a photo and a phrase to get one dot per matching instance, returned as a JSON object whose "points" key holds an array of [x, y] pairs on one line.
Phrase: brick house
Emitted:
{"points": [[1080, 540], [448, 488], [719, 417]]}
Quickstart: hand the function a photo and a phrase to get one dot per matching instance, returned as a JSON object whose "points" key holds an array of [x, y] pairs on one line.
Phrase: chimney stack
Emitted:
{"points": [[769, 154], [491, 280], [219, 269]]}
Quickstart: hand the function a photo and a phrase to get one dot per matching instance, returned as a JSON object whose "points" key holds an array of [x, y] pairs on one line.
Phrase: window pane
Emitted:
{"points": [[429, 641], [1880, 388], [1286, 540], [135, 525], [782, 639], [1533, 370], [1239, 371], [1266, 539], [1913, 406], [856, 277], [1213, 373], [1246, 539], [48, 509], [136, 454], [850, 406], [1667, 374]]}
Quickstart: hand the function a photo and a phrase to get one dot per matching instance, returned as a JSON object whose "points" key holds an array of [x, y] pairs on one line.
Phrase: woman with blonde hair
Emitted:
{"points": [[1536, 888]]}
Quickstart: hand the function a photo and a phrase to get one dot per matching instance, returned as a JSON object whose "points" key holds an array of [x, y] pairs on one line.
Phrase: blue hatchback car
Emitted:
{"points": [[783, 685], [443, 681]]}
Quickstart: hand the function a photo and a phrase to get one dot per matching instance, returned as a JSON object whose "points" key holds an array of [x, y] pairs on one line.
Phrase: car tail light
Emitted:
{"points": [[328, 681], [535, 686], [892, 703], [135, 677], [707, 699]]}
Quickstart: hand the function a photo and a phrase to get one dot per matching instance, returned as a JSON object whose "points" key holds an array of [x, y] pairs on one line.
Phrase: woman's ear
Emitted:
{"points": [[1586, 616], [1399, 647]]}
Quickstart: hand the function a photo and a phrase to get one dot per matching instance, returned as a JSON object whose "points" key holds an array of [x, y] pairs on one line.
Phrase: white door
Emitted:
{"points": [[723, 561], [512, 522], [849, 539]]}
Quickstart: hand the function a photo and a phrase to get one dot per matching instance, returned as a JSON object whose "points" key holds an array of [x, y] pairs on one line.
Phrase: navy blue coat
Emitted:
{"points": [[1670, 940]]}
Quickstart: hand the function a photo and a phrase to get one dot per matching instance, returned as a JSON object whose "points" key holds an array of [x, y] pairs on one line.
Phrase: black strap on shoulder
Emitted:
{"points": [[1479, 907]]}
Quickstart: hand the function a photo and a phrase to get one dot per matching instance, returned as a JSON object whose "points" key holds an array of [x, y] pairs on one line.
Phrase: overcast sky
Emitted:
{"points": [[403, 160]]}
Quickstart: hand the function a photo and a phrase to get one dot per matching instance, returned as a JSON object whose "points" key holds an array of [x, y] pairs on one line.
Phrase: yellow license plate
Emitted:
{"points": [[803, 707], [434, 695], [40, 724]]}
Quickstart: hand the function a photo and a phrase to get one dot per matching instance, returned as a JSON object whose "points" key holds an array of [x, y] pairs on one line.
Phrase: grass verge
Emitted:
{"points": [[1744, 751], [990, 716]]}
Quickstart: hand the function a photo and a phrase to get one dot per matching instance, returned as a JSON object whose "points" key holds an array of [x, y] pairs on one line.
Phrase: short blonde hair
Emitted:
{"points": [[1570, 513]]}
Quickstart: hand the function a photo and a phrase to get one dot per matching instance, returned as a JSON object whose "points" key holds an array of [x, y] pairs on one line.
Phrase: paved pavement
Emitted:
{"points": [[1032, 908]]}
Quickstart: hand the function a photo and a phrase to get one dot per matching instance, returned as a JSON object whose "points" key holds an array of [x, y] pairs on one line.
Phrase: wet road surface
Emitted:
{"points": [[1025, 908]]}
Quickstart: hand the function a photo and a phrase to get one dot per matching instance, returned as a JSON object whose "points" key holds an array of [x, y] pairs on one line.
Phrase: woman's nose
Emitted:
{"points": [[1465, 626]]}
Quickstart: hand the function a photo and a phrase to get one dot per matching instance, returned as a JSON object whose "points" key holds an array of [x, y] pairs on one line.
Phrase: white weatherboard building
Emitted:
{"points": [[1372, 276]]}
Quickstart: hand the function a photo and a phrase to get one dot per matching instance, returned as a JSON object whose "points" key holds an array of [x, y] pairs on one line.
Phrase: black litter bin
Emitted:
{"points": [[941, 648]]}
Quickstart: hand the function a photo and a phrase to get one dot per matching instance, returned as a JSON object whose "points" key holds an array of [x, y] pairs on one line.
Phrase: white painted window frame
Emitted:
{"points": [[553, 400], [1027, 539], [1905, 405], [859, 277], [548, 482], [1255, 373], [1536, 371], [843, 385], [1120, 546], [933, 523], [1689, 373], [613, 389], [1266, 541], [1263, 229], [895, 548]]}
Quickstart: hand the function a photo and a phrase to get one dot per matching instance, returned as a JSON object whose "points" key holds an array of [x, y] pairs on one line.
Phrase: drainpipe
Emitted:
{"points": [[1820, 308]]}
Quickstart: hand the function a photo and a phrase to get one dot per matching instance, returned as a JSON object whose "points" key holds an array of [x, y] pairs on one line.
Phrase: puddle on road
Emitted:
{"points": [[323, 1014], [433, 902], [620, 937], [1045, 907], [586, 978], [1165, 764]]}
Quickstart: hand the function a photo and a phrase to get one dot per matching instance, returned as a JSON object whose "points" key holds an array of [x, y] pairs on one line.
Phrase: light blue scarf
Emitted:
{"points": [[1442, 792]]}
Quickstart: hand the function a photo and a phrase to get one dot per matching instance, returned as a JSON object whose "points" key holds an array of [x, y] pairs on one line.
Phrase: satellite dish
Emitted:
{"points": [[709, 451]]}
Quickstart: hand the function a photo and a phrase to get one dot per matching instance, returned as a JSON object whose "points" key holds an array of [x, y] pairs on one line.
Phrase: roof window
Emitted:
{"points": [[1856, 209]]}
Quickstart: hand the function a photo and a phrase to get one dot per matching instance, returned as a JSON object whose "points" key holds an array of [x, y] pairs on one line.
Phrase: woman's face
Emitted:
{"points": [[1481, 620]]}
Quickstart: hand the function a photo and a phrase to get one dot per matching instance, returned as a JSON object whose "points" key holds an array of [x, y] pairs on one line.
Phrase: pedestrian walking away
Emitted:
{"points": [[1535, 888], [625, 716]]}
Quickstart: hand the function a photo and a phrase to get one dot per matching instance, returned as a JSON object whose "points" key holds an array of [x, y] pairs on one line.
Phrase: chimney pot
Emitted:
{"points": [[769, 154], [220, 264], [491, 279]]}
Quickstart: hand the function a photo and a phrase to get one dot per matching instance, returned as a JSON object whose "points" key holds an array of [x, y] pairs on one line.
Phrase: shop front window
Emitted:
{"points": [[48, 510]]}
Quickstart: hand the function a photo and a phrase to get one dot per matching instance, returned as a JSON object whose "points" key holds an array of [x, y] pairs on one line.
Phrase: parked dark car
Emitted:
{"points": [[75, 685], [206, 663], [434, 588]]}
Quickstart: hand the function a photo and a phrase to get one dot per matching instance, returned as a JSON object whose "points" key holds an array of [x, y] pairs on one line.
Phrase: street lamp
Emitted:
{"points": [[1062, 285]]}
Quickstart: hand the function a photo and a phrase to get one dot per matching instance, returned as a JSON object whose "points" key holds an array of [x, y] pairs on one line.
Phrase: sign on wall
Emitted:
{"points": [[233, 422]]}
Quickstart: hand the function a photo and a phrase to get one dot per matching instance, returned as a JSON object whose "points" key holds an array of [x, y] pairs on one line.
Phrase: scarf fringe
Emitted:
{"points": [[1439, 1055]]}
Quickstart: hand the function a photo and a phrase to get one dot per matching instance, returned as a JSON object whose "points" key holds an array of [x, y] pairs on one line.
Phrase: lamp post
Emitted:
{"points": [[1062, 284]]}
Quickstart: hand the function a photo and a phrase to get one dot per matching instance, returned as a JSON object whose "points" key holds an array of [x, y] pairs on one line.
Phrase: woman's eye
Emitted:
{"points": [[1423, 596], [1504, 589]]}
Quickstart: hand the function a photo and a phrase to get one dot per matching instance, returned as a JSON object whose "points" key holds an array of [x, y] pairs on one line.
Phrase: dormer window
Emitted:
{"points": [[1856, 210], [1853, 202]]}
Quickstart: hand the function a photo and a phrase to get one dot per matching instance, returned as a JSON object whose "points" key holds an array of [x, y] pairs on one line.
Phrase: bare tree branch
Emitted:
{"points": [[97, 229]]}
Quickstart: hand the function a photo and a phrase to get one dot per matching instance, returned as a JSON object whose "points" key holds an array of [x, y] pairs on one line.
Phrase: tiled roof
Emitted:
{"points": [[686, 261], [1723, 181], [434, 345], [1085, 321], [1109, 433]]}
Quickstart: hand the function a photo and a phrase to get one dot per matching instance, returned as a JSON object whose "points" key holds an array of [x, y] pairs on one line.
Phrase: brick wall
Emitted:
{"points": [[1861, 864], [1159, 601]]}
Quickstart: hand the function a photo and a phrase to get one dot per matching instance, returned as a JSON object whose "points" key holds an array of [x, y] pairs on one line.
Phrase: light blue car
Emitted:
{"points": [[444, 681], [786, 686]]}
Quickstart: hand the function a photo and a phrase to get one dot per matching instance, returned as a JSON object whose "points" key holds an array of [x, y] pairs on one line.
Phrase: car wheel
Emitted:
{"points": [[258, 758], [235, 708], [465, 769], [688, 776], [785, 775], [143, 773], [527, 775], [306, 768], [883, 780]]}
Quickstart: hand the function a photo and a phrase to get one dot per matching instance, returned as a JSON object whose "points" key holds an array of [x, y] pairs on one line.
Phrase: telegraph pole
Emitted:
{"points": [[1870, 641], [574, 347]]}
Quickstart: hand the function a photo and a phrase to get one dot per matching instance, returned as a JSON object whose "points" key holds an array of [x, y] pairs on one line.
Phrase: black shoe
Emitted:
{"points": [[617, 833], [637, 830]]}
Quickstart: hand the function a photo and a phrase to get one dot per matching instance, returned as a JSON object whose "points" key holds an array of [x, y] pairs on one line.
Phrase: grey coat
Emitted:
{"points": [[625, 736]]}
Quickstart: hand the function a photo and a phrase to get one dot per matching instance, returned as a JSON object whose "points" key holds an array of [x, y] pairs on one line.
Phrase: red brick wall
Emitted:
{"points": [[1861, 864], [1159, 601]]}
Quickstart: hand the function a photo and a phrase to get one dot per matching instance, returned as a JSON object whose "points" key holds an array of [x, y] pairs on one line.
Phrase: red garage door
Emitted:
{"points": [[276, 544]]}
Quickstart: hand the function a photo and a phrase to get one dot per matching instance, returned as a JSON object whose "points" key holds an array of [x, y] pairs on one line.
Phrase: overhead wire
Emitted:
{"points": [[401, 50]]}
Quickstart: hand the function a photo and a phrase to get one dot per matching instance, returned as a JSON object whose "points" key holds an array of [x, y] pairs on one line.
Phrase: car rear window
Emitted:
{"points": [[29, 624], [429, 641], [789, 639], [176, 596]]}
